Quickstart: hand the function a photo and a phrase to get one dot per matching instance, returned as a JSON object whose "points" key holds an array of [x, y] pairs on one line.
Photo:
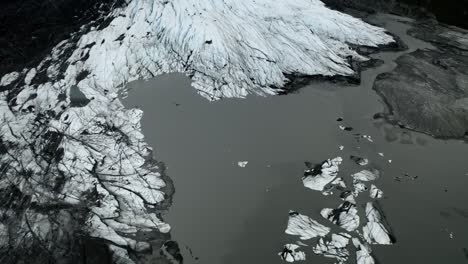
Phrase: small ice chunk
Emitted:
{"points": [[366, 175], [363, 253], [359, 160], [374, 232], [319, 176], [381, 154], [341, 147], [345, 128], [345, 216], [375, 192], [290, 254], [242, 164], [305, 227], [369, 138], [359, 187], [335, 248]]}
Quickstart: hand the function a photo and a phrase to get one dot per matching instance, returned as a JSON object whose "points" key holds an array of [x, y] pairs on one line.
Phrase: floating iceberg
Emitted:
{"points": [[290, 254], [317, 177], [345, 216], [305, 227], [334, 248], [374, 231]]}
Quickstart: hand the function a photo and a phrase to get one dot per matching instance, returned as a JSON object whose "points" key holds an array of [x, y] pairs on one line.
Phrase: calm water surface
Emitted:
{"points": [[226, 214]]}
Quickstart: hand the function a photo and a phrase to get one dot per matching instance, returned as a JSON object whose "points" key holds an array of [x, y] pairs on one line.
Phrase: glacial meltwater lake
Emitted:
{"points": [[226, 214]]}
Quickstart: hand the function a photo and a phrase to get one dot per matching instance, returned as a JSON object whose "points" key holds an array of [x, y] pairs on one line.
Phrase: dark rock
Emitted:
{"points": [[424, 96]]}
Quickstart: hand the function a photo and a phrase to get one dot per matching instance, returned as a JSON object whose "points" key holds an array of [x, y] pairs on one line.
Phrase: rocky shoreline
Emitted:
{"points": [[428, 90]]}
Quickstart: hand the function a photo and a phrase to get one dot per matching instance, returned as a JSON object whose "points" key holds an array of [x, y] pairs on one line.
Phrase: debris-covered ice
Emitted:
{"points": [[305, 227], [290, 253]]}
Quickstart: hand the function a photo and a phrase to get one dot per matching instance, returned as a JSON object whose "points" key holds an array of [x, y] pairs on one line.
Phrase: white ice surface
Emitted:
{"points": [[305, 227], [374, 231], [334, 248], [326, 174], [291, 254]]}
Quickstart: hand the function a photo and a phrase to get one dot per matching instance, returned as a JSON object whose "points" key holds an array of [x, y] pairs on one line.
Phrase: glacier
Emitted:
{"points": [[85, 162]]}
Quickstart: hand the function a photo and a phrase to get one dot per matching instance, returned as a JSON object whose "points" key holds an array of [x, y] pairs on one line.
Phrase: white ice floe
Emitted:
{"points": [[334, 248], [318, 177], [305, 227], [346, 216], [366, 175], [341, 147], [290, 253], [375, 192], [374, 231], [363, 252], [242, 164]]}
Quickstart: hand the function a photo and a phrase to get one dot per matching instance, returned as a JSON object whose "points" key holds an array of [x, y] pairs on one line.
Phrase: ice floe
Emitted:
{"points": [[318, 176], [375, 192], [242, 164], [363, 252], [305, 227], [360, 161], [346, 216], [374, 232], [366, 175], [290, 253], [334, 248]]}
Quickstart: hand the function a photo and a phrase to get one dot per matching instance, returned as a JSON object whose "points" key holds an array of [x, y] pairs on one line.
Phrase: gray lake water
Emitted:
{"points": [[225, 214]]}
